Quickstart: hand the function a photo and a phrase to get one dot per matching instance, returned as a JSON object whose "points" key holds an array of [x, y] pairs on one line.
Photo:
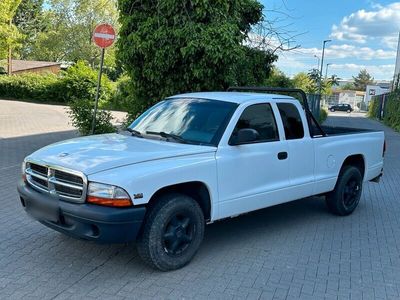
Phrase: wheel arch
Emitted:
{"points": [[195, 189], [355, 160]]}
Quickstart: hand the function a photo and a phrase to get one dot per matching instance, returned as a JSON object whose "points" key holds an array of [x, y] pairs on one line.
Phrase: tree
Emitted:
{"points": [[172, 46], [334, 80], [362, 80], [349, 86], [279, 79], [29, 19], [303, 81], [9, 34], [68, 36]]}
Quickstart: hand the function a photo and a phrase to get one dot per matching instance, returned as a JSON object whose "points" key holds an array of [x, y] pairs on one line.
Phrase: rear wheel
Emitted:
{"points": [[172, 233], [348, 111], [344, 199], [332, 110]]}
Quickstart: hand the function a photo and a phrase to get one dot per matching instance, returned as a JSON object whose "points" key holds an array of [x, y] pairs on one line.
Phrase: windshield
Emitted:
{"points": [[194, 121]]}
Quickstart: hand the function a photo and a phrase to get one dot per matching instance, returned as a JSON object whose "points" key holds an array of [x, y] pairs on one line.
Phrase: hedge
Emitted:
{"points": [[392, 111], [373, 108], [78, 82]]}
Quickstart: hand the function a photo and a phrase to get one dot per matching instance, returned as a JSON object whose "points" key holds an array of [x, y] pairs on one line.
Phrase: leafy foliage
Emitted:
{"points": [[67, 35], [392, 111], [323, 115], [171, 46], [278, 79], [78, 82], [121, 98], [81, 115], [30, 86], [9, 34], [30, 21], [373, 109], [362, 80]]}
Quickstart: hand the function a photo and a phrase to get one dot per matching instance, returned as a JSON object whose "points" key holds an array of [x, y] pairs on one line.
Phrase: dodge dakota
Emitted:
{"points": [[193, 159]]}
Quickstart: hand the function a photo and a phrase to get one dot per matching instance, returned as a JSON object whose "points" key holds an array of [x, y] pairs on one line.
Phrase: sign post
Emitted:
{"points": [[103, 37]]}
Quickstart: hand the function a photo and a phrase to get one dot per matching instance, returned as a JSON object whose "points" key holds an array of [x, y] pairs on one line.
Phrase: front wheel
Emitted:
{"points": [[332, 110], [348, 111], [344, 199], [172, 232]]}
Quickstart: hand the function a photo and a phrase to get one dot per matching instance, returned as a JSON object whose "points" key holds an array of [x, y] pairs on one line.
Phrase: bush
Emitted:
{"points": [[392, 111], [78, 82], [81, 114], [121, 98], [323, 115], [31, 86], [373, 108]]}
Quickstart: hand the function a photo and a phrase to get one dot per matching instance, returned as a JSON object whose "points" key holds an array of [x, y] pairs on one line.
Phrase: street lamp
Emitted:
{"points": [[317, 57], [326, 72], [322, 65]]}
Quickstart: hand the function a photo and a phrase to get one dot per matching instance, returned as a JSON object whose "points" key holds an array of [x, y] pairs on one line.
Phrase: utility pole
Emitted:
{"points": [[322, 66], [9, 63], [317, 57], [326, 72]]}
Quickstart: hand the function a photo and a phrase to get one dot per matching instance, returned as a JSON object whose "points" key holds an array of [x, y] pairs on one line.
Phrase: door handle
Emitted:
{"points": [[282, 155]]}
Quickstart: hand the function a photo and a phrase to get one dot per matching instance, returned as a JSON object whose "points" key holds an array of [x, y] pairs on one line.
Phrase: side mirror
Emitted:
{"points": [[244, 136]]}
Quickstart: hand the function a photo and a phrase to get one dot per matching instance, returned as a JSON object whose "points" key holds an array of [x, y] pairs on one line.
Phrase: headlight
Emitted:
{"points": [[107, 195]]}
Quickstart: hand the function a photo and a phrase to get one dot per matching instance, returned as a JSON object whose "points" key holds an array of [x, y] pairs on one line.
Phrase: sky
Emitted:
{"points": [[364, 34]]}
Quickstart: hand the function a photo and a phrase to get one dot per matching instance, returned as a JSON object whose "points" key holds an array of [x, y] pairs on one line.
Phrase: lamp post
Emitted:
{"points": [[326, 72], [322, 65], [317, 57]]}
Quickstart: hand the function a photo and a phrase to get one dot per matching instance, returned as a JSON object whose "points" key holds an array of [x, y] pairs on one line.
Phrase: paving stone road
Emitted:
{"points": [[291, 251]]}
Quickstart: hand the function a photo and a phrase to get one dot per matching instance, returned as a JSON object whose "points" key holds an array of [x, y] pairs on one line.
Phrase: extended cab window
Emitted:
{"points": [[292, 122], [259, 117]]}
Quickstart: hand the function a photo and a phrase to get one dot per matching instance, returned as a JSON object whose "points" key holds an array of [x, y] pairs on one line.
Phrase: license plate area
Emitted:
{"points": [[49, 211]]}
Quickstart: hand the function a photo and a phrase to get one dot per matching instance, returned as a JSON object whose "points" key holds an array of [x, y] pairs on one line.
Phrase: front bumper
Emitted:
{"points": [[86, 221]]}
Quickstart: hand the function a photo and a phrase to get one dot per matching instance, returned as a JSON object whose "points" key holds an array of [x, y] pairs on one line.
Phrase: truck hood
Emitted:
{"points": [[97, 153]]}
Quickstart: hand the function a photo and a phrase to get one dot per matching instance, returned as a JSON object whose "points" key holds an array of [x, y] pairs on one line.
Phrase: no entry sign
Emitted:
{"points": [[104, 35]]}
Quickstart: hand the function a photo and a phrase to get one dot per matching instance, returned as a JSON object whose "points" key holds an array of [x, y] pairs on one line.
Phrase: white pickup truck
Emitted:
{"points": [[193, 159]]}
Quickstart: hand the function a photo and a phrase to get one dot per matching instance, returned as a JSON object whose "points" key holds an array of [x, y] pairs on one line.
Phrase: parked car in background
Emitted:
{"points": [[341, 107], [194, 159]]}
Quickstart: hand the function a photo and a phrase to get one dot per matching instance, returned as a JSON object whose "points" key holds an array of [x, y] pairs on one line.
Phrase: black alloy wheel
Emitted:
{"points": [[172, 232], [178, 234], [344, 199]]}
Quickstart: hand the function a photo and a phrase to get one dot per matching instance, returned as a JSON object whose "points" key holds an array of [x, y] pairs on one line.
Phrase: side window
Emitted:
{"points": [[291, 121], [259, 117]]}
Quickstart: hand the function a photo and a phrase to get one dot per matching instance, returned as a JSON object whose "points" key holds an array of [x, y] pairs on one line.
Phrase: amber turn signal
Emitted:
{"points": [[109, 202]]}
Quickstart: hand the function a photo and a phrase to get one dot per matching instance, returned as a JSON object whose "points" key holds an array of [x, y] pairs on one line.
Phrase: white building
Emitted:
{"points": [[397, 68], [374, 90]]}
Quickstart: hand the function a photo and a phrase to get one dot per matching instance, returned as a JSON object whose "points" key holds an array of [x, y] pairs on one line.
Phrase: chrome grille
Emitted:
{"points": [[66, 184]]}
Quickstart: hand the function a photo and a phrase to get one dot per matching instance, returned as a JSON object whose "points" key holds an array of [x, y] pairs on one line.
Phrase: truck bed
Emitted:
{"points": [[333, 130]]}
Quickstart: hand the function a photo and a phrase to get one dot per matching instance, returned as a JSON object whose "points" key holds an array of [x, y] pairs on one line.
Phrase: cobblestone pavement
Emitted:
{"points": [[291, 251]]}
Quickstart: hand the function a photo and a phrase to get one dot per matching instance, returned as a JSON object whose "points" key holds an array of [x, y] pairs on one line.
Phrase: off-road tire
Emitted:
{"points": [[344, 199], [152, 245]]}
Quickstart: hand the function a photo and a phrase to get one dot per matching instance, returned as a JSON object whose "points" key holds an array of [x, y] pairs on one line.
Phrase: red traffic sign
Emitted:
{"points": [[104, 35]]}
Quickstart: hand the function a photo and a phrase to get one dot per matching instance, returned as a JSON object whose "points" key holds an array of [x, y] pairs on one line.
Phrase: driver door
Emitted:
{"points": [[252, 175]]}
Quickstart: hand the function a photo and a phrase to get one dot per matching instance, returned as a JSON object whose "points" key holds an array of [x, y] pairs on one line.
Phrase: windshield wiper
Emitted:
{"points": [[134, 132], [169, 136]]}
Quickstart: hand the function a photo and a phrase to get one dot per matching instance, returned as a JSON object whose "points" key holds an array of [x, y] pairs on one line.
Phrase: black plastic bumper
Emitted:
{"points": [[86, 221]]}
